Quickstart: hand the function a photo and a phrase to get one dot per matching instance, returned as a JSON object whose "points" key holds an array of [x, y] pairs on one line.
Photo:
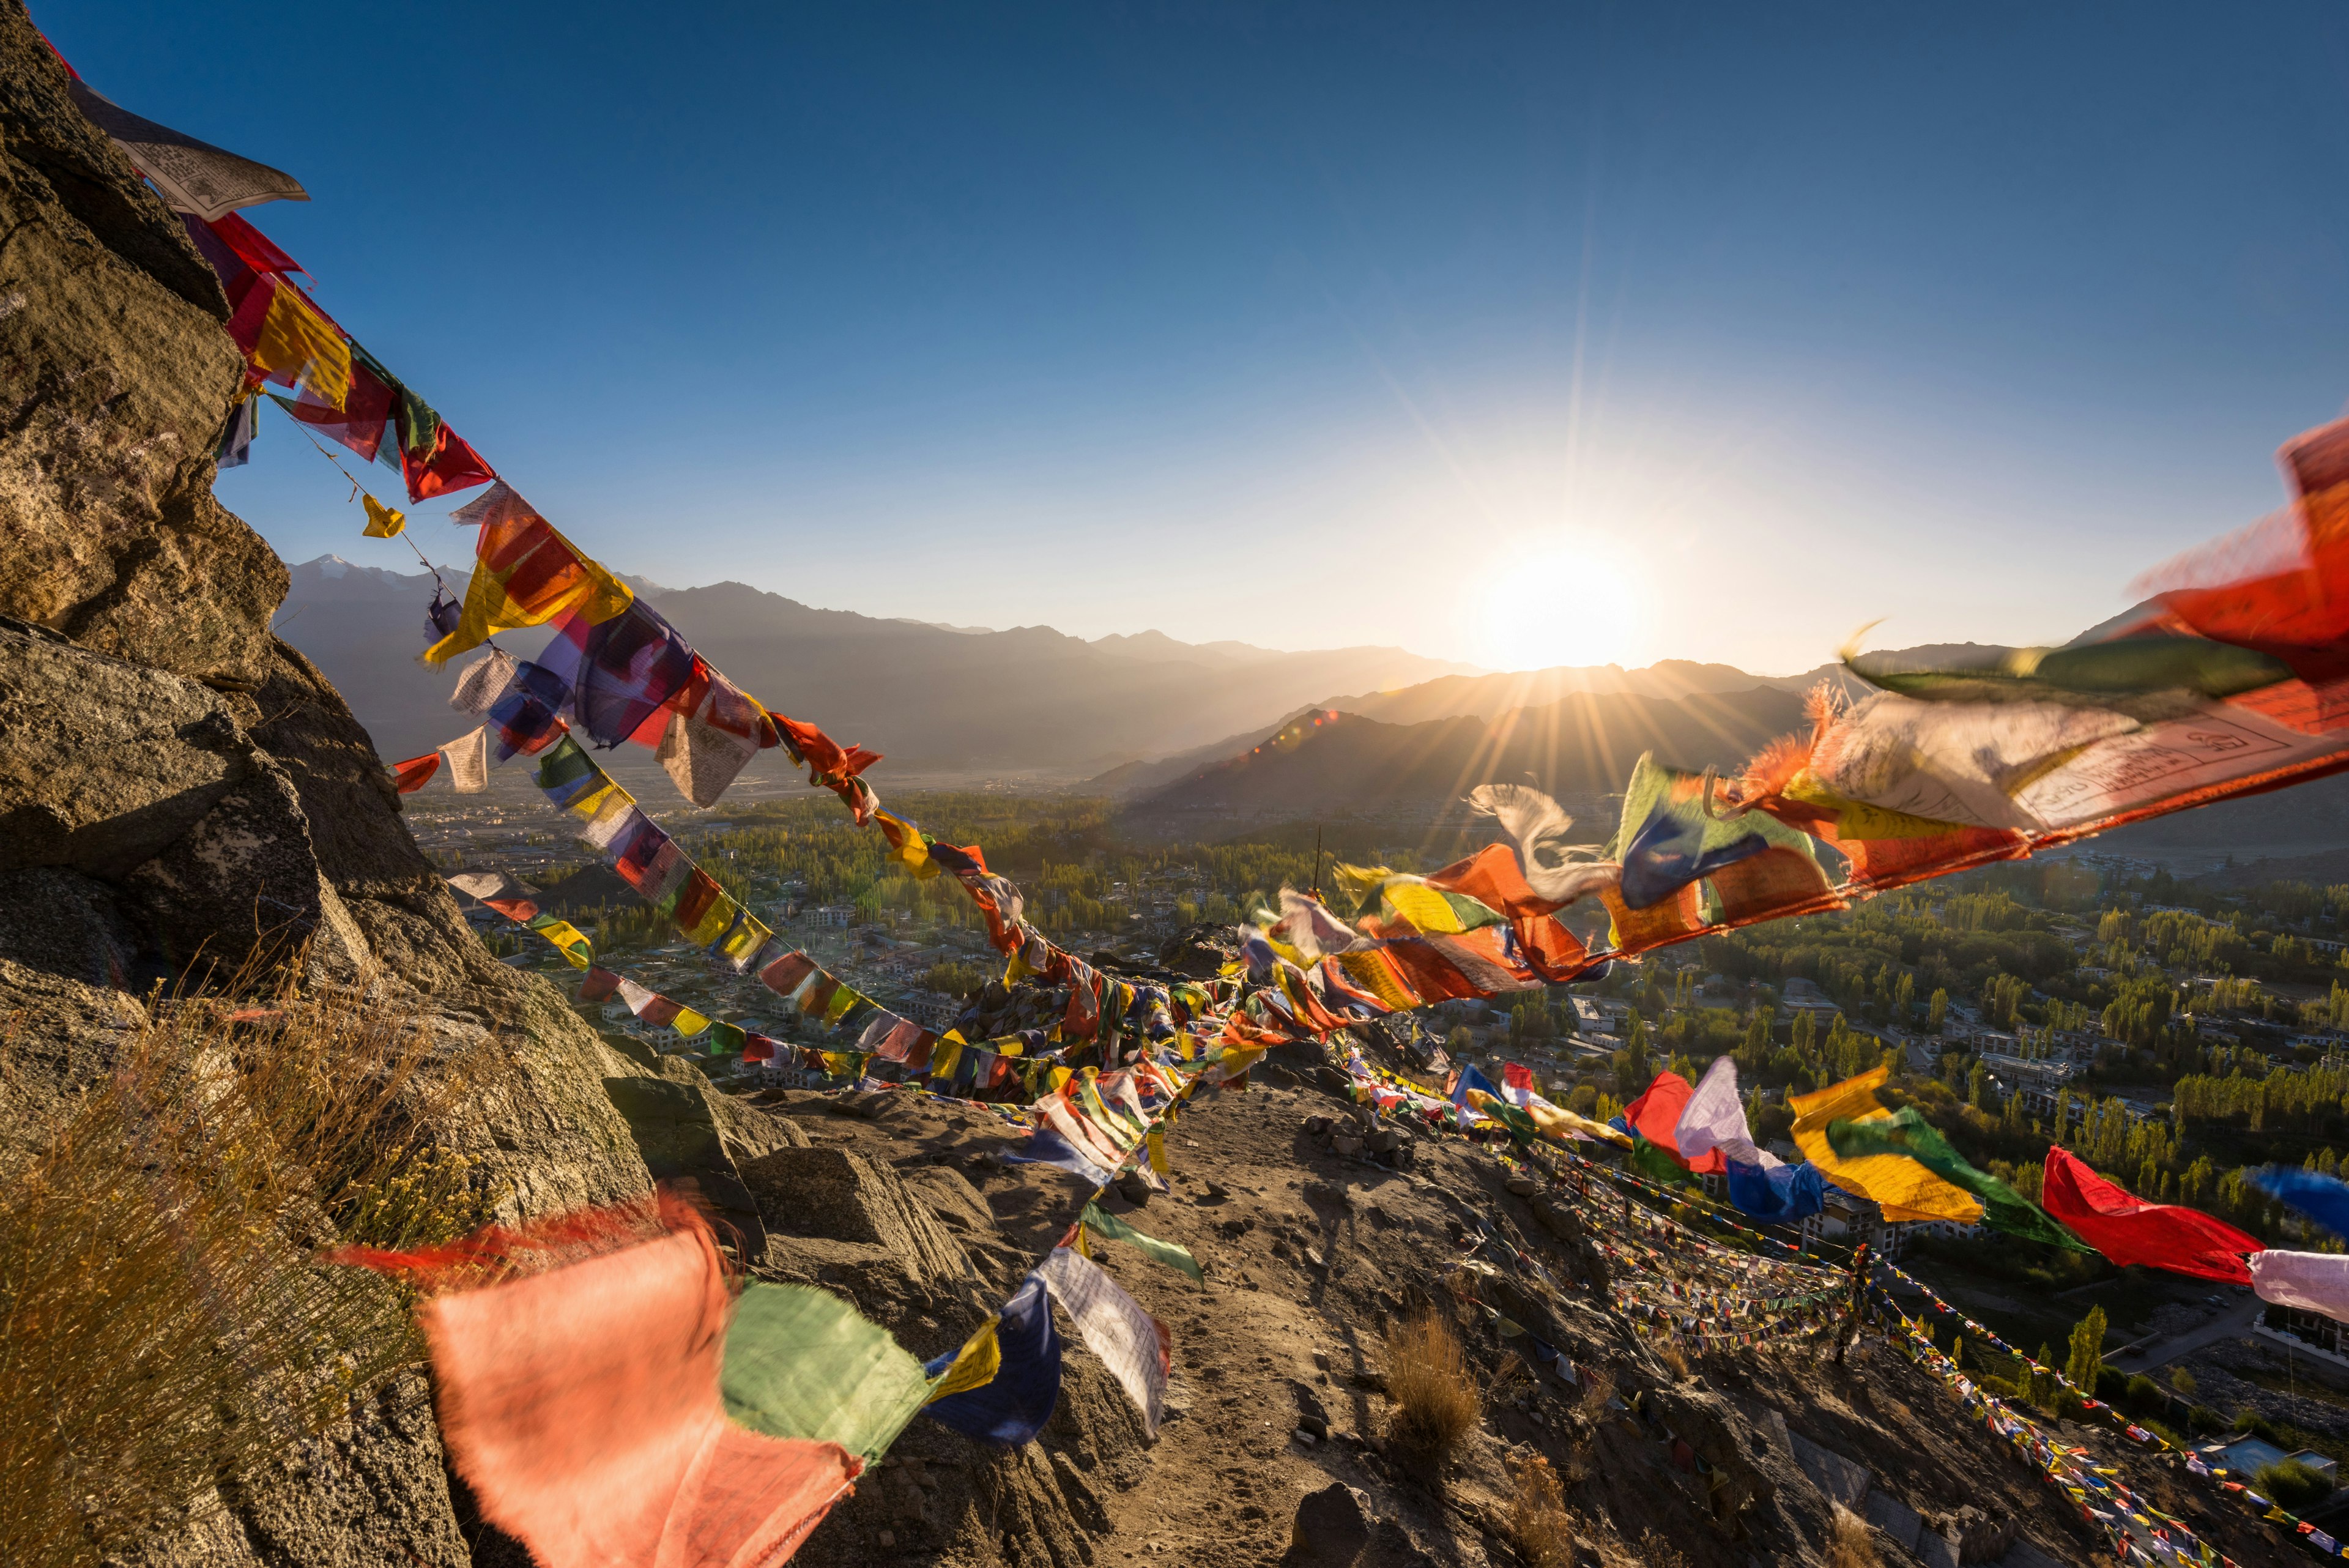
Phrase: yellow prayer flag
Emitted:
{"points": [[295, 341], [1424, 907], [1158, 1150], [688, 1023], [716, 922], [974, 1366], [382, 522], [1905, 1189], [944, 1060]]}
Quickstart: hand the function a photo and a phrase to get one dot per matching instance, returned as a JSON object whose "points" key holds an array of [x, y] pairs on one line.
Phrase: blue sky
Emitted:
{"points": [[1514, 335]]}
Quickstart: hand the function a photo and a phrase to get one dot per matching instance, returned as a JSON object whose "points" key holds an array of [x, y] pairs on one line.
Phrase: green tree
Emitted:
{"points": [[1935, 1006], [1753, 1054], [2087, 1357], [1977, 1084]]}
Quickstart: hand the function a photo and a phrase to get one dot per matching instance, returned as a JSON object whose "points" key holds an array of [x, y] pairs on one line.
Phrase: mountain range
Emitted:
{"points": [[1027, 700]]}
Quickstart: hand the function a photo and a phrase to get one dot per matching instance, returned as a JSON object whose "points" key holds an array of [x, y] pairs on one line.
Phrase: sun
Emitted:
{"points": [[1559, 607]]}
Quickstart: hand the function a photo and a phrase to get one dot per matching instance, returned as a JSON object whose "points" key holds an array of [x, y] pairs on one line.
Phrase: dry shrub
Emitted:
{"points": [[1539, 1525], [163, 1325], [1435, 1400], [1853, 1544], [1673, 1356]]}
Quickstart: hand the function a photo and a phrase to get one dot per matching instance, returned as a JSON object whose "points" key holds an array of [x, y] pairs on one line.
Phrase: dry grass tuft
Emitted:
{"points": [[1539, 1524], [1673, 1356], [1597, 1387], [1853, 1544], [1435, 1400], [163, 1326]]}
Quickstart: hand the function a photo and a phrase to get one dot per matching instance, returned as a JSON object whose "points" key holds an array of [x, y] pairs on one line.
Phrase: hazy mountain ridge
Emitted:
{"points": [[1027, 700], [1583, 744]]}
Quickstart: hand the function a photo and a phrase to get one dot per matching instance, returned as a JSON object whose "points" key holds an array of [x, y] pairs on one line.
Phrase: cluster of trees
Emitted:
{"points": [[2310, 1101]]}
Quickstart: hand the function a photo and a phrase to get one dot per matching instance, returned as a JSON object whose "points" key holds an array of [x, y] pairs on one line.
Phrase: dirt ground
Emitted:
{"points": [[1309, 1255]]}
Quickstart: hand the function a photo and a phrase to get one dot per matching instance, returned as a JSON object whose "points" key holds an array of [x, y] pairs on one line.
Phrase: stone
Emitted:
{"points": [[1134, 1189], [1346, 1143], [1521, 1186], [1331, 1527], [1896, 1519], [1843, 1480]]}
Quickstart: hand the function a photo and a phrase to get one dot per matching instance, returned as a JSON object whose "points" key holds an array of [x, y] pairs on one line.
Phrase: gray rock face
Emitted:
{"points": [[178, 788], [118, 383]]}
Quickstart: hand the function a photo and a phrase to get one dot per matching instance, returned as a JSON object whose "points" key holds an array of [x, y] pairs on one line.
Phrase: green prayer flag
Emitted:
{"points": [[802, 1363], [725, 1039], [1654, 1162], [1907, 1133], [1103, 1222]]}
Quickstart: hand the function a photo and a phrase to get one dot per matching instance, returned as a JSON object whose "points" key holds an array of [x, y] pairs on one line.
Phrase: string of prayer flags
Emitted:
{"points": [[1902, 1188], [1096, 1218], [1906, 1133], [1132, 1344], [803, 1362], [581, 1404], [1011, 1407], [2127, 1229]]}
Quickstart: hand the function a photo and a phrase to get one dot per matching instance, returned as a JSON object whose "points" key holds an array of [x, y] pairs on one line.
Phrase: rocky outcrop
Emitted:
{"points": [[115, 381], [185, 802]]}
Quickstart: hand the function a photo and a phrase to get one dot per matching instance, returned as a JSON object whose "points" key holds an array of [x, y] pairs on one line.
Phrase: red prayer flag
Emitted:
{"points": [[582, 1404], [1656, 1116], [2128, 1230], [453, 465], [413, 775]]}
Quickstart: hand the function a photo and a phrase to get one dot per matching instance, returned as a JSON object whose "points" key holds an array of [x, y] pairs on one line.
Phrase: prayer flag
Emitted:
{"points": [[286, 340], [382, 522], [500, 892], [1907, 1133], [468, 762], [972, 1367], [525, 575], [2310, 1282], [2323, 1199], [582, 1406], [1132, 1344], [2128, 1231], [1904, 1190], [803, 1362], [1012, 1406], [1167, 1252], [191, 176], [413, 775], [480, 683], [1656, 1115]]}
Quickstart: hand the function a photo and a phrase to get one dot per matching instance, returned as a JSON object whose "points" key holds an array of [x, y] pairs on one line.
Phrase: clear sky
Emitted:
{"points": [[1514, 335]]}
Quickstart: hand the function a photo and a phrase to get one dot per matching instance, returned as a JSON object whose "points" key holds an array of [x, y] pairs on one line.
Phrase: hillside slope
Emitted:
{"points": [[1580, 745]]}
